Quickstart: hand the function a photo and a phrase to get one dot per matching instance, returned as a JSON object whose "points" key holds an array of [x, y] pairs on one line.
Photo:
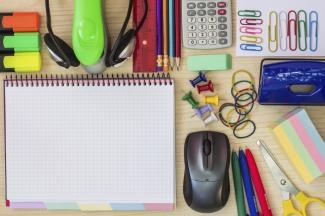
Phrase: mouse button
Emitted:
{"points": [[220, 155], [207, 147]]}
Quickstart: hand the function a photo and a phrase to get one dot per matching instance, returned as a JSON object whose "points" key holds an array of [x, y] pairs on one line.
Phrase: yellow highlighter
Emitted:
{"points": [[21, 62]]}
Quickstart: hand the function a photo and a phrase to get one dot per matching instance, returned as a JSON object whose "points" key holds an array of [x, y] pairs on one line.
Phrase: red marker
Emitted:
{"points": [[258, 184]]}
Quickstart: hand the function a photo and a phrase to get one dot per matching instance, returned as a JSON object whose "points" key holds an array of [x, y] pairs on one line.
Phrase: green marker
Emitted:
{"points": [[88, 31], [20, 42], [240, 200]]}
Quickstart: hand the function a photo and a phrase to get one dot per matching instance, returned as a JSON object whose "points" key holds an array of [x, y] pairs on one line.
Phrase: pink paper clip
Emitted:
{"points": [[292, 30], [251, 21], [250, 30]]}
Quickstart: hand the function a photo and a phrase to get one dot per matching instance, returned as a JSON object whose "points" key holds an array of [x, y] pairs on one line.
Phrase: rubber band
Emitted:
{"points": [[252, 81], [252, 88], [226, 122], [241, 123], [228, 119]]}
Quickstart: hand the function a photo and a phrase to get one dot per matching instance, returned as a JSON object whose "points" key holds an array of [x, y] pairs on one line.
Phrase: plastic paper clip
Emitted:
{"points": [[251, 21], [302, 30], [283, 40], [200, 78], [214, 100], [202, 110], [251, 47], [251, 39], [250, 30], [210, 119], [273, 41], [292, 30], [205, 87], [249, 13], [189, 98], [313, 30]]}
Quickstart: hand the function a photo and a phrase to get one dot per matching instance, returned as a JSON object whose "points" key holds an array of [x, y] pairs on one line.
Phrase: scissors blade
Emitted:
{"points": [[281, 179]]}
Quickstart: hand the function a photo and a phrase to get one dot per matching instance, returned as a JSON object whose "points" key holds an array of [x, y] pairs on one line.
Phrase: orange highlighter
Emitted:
{"points": [[258, 184], [19, 22]]}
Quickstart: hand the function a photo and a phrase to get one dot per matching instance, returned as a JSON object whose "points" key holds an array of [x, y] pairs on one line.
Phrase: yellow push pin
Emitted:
{"points": [[211, 100]]}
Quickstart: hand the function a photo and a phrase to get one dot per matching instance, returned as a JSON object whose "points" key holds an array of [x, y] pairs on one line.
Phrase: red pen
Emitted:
{"points": [[258, 184]]}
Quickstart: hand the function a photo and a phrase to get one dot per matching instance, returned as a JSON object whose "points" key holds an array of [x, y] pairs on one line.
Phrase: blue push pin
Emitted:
{"points": [[202, 110], [200, 78]]}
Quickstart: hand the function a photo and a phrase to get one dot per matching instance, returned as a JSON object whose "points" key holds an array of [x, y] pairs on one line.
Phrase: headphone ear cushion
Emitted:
{"points": [[65, 48], [125, 45]]}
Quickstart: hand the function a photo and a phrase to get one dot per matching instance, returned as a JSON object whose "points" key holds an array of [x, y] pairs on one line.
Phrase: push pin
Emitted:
{"points": [[200, 78], [205, 87], [210, 119], [202, 110], [211, 100], [189, 98]]}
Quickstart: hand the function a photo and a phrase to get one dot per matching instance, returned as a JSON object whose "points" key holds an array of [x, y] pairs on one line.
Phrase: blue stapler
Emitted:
{"points": [[292, 82]]}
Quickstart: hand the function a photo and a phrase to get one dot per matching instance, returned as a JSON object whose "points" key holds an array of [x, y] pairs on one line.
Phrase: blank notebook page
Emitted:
{"points": [[93, 144]]}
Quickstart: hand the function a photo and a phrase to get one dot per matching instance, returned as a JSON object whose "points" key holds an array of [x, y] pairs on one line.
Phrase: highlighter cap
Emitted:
{"points": [[19, 22], [21, 62], [20, 42]]}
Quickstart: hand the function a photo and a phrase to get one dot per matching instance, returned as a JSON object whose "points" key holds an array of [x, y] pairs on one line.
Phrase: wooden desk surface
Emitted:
{"points": [[62, 21]]}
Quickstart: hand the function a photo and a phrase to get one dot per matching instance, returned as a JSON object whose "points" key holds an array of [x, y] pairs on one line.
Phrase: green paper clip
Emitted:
{"points": [[302, 30], [250, 13]]}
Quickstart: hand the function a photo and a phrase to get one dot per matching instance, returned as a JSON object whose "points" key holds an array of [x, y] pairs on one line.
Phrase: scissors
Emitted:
{"points": [[286, 186]]}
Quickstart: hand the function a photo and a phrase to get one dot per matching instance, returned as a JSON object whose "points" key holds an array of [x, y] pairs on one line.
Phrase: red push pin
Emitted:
{"points": [[205, 87]]}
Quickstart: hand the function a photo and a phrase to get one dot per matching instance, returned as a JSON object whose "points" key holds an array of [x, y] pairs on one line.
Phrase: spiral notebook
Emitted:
{"points": [[90, 143]]}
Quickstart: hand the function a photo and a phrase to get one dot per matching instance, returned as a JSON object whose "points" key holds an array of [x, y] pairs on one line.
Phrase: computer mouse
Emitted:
{"points": [[206, 184]]}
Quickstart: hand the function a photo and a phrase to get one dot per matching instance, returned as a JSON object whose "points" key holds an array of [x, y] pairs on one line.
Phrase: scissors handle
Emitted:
{"points": [[289, 209], [305, 200]]}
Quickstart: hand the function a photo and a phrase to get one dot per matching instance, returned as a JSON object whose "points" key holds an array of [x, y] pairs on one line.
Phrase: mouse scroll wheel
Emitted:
{"points": [[207, 147]]}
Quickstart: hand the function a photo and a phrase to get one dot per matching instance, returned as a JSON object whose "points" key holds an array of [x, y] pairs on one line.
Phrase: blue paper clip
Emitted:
{"points": [[313, 31], [251, 47]]}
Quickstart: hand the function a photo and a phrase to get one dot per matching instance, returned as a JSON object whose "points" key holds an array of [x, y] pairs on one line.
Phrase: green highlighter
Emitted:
{"points": [[20, 42]]}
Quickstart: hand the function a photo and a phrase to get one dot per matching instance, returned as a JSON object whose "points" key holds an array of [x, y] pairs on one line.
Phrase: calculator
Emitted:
{"points": [[206, 24]]}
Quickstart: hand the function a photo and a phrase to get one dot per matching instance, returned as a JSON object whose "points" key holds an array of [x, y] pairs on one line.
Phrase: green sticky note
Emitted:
{"points": [[23, 42], [220, 62]]}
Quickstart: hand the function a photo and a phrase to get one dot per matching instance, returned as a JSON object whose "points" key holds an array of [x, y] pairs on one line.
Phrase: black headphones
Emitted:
{"points": [[122, 49]]}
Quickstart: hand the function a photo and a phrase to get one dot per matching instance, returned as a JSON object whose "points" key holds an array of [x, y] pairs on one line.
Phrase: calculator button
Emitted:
{"points": [[212, 19], [213, 27], [192, 42], [191, 19], [222, 26], [202, 42], [201, 12], [202, 19], [222, 34], [213, 34], [191, 5], [222, 19], [223, 41], [201, 5], [222, 4], [192, 35], [203, 34], [212, 5], [222, 12], [212, 12], [212, 42], [191, 13], [203, 27], [191, 27]]}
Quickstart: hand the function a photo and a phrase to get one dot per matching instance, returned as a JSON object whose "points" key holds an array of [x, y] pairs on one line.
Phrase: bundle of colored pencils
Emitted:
{"points": [[168, 35]]}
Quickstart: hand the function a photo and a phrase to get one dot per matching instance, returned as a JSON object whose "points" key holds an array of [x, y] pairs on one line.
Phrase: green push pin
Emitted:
{"points": [[189, 98]]}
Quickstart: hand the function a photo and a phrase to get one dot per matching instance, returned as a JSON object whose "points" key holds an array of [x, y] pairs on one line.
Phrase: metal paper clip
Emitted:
{"points": [[302, 30], [250, 30], [292, 30], [313, 31], [250, 21], [249, 13], [251, 47], [251, 39], [283, 30], [273, 31]]}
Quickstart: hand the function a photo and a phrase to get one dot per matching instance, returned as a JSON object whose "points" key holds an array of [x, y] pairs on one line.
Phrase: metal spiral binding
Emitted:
{"points": [[87, 80]]}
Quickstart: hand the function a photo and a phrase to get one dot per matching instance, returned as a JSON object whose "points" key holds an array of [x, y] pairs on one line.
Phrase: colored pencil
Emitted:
{"points": [[159, 36], [165, 36], [178, 32], [171, 13]]}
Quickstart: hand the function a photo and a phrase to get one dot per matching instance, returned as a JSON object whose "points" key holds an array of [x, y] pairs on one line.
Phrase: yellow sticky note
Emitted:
{"points": [[95, 207], [24, 62]]}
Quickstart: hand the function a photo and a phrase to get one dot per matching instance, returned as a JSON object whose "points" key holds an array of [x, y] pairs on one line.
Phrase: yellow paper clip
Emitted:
{"points": [[251, 39], [273, 41]]}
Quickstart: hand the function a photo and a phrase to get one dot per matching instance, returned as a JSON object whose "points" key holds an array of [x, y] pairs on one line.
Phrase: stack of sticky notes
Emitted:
{"points": [[302, 143], [20, 42]]}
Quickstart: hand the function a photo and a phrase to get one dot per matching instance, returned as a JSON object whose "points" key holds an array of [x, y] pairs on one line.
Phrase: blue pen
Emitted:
{"points": [[171, 12], [250, 196]]}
